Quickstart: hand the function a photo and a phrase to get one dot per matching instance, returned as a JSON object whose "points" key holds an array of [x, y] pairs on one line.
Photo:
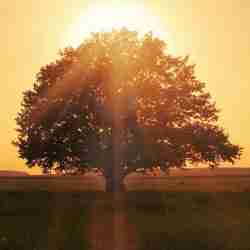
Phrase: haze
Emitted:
{"points": [[215, 34]]}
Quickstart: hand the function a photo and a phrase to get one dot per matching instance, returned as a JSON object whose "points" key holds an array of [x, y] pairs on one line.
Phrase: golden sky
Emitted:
{"points": [[214, 33]]}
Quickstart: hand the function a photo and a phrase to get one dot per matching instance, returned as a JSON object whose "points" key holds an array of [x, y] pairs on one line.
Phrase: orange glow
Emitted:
{"points": [[105, 17], [215, 34]]}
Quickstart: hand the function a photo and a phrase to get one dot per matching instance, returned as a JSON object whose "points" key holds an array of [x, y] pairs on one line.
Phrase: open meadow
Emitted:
{"points": [[177, 212], [42, 220], [154, 220]]}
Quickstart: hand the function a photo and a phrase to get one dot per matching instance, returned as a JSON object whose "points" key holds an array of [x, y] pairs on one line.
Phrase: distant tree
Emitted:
{"points": [[118, 101]]}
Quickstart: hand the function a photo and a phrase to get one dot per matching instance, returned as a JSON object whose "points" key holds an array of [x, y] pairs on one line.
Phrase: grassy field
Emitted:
{"points": [[158, 220], [42, 220], [190, 184], [193, 180], [191, 220], [52, 183]]}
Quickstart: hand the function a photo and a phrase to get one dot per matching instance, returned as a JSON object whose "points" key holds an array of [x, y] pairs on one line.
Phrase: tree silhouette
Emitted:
{"points": [[120, 100]]}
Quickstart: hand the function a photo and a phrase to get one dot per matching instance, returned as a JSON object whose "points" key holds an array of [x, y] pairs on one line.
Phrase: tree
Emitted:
{"points": [[118, 101]]}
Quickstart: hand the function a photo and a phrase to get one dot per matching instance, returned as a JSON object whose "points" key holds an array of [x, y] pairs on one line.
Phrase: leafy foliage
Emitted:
{"points": [[118, 95]]}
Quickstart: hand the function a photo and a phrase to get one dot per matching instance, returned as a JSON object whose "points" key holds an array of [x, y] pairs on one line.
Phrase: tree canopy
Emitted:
{"points": [[124, 97]]}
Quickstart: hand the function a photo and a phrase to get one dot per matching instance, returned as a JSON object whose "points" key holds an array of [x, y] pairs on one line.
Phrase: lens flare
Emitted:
{"points": [[105, 18]]}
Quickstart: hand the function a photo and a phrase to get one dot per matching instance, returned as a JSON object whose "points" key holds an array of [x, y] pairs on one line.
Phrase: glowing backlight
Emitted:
{"points": [[105, 18]]}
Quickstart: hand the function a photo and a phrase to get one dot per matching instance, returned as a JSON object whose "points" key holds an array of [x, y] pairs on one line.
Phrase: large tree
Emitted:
{"points": [[120, 100]]}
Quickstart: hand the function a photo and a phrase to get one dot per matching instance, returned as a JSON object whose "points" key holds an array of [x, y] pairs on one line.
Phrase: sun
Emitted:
{"points": [[107, 17]]}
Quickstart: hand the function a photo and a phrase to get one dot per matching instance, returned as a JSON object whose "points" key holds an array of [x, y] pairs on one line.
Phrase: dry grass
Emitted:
{"points": [[191, 220], [151, 220], [201, 180], [52, 183]]}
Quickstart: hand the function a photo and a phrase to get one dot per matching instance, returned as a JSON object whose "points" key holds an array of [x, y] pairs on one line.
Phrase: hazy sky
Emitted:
{"points": [[214, 33]]}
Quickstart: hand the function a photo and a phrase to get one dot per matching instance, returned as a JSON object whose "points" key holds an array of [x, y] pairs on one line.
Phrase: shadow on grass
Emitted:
{"points": [[158, 221], [41, 220], [197, 221]]}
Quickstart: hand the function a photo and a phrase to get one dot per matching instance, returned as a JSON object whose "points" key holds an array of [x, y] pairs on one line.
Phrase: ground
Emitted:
{"points": [[143, 220]]}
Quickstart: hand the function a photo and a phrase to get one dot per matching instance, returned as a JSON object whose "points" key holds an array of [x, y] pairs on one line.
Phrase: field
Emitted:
{"points": [[193, 180], [202, 221], [141, 220], [52, 183], [41, 220], [198, 210], [190, 184]]}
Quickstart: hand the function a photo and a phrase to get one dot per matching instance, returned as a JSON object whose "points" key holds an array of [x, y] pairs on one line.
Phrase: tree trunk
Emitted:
{"points": [[114, 168], [113, 178]]}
